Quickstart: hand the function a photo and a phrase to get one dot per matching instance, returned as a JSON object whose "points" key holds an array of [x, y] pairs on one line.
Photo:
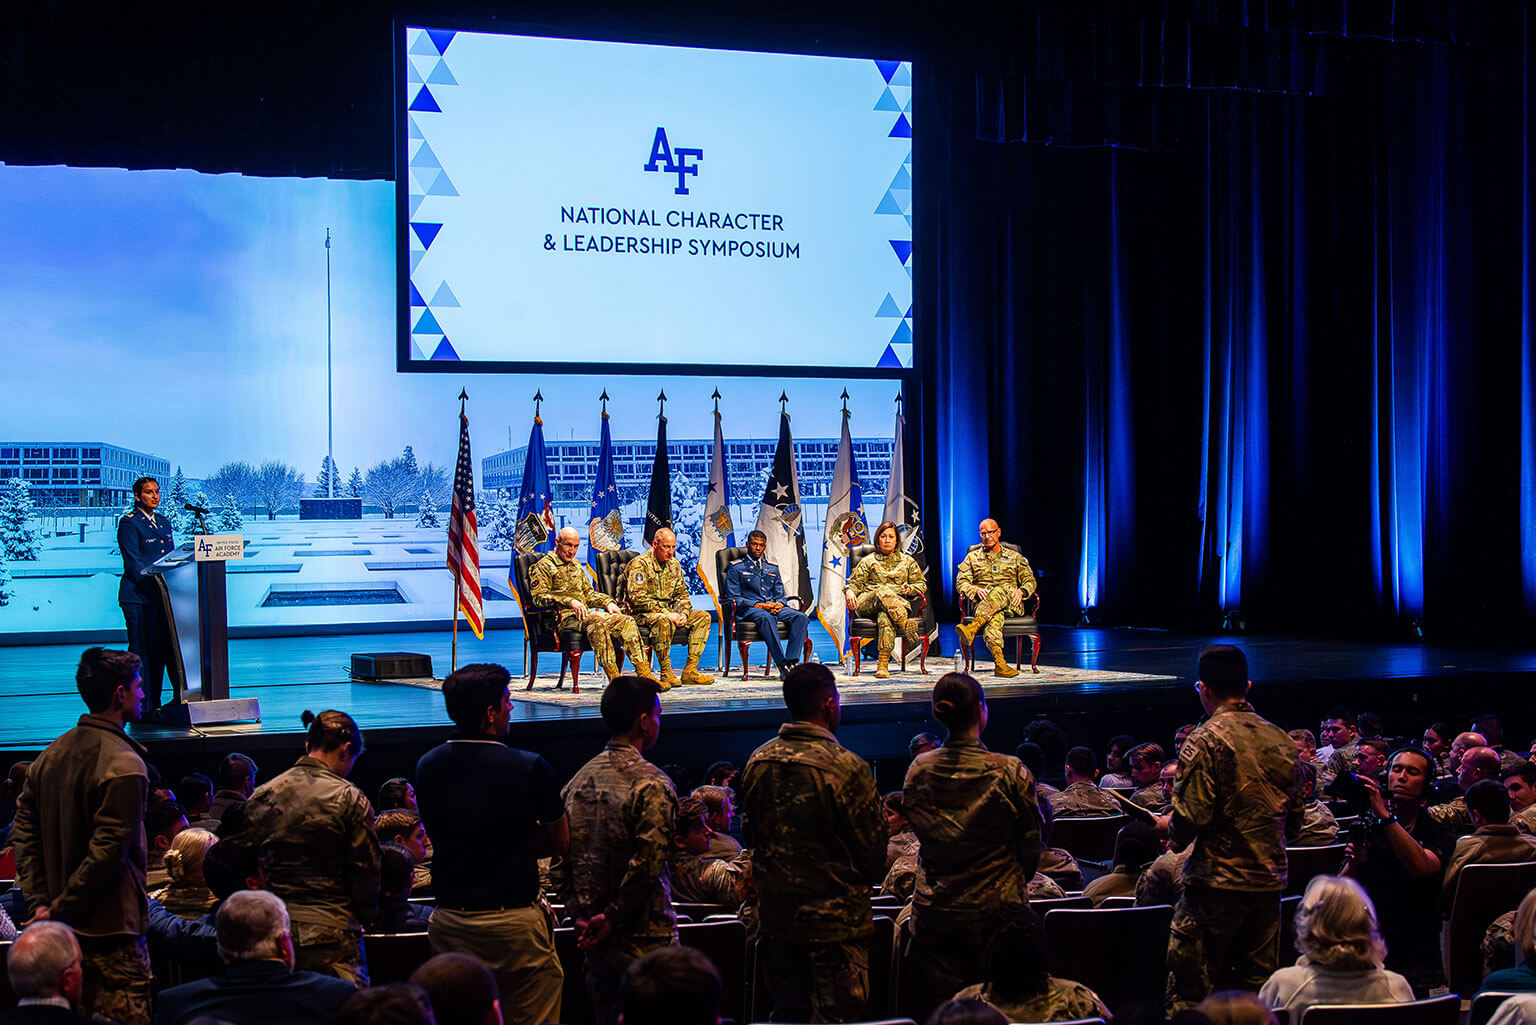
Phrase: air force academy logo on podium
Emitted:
{"points": [[664, 157]]}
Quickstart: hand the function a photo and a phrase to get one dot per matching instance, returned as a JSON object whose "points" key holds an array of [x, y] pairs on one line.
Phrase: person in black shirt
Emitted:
{"points": [[492, 810]]}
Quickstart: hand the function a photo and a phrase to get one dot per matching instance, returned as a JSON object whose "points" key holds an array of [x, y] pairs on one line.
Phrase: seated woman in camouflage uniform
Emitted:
{"points": [[882, 587]]}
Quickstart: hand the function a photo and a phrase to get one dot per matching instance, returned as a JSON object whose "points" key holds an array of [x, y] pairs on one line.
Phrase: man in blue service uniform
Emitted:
{"points": [[142, 537], [757, 591]]}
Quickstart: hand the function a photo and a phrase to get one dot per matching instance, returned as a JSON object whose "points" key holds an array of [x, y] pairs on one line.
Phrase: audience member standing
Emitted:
{"points": [[978, 824], [79, 838], [1236, 799], [817, 833], [622, 812], [316, 833], [45, 972], [487, 870]]}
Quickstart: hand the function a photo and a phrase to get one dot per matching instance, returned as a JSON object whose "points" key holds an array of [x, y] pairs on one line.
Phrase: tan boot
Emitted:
{"points": [[883, 667], [668, 678], [1000, 666], [691, 675], [641, 661], [967, 632], [612, 669], [913, 631]]}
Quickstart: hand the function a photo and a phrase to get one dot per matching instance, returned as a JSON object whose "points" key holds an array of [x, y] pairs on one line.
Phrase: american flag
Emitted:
{"points": [[463, 540]]}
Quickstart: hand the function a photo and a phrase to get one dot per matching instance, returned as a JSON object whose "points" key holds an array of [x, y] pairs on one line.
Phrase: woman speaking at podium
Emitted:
{"points": [[142, 537]]}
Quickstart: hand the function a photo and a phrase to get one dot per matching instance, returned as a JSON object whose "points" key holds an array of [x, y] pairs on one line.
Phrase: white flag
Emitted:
{"points": [[901, 510], [845, 528]]}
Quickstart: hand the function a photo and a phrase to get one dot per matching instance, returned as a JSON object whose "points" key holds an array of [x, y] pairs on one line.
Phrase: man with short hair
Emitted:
{"points": [[1318, 826], [259, 985], [659, 597], [486, 874], [757, 594], [1475, 765], [1236, 799], [622, 812], [196, 794], [720, 808], [163, 821], [999, 581], [461, 988], [672, 986], [1082, 795], [1463, 743], [1371, 758], [1493, 842], [1520, 782], [1340, 733], [237, 782], [562, 583], [697, 878], [1146, 761], [79, 838], [817, 832], [45, 972]]}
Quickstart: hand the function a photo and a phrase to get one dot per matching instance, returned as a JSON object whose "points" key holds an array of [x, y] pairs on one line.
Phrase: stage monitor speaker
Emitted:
{"points": [[391, 665]]}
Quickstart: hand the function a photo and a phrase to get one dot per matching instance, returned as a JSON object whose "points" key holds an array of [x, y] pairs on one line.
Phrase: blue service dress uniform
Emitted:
{"points": [[143, 537], [753, 580]]}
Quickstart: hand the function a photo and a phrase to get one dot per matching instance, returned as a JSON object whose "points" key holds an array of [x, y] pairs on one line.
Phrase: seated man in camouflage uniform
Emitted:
{"points": [[999, 581], [696, 877], [658, 596], [560, 581]]}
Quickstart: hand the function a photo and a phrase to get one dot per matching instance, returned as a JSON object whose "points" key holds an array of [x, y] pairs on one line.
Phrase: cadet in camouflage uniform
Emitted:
{"points": [[978, 821], [622, 811], [881, 588], [817, 834], [696, 877], [658, 596], [999, 581], [322, 855], [1236, 798], [560, 581]]}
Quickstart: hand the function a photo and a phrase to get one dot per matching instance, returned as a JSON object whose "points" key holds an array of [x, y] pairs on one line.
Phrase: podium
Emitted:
{"points": [[196, 606]]}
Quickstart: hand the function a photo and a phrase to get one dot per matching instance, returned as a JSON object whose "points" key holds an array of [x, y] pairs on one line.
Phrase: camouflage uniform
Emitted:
{"points": [[1082, 798], [876, 586], [978, 820], [656, 591], [1236, 798], [1163, 881], [1318, 826], [622, 812], [697, 879], [1524, 820], [1452, 815], [989, 578], [553, 581], [1063, 1000], [1151, 797], [322, 855], [817, 833]]}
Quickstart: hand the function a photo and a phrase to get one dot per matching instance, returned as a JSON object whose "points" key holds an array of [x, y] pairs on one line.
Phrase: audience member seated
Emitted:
{"points": [[696, 877], [969, 1011], [397, 793], [237, 782], [461, 989], [1520, 782], [1318, 826], [719, 809], [1028, 752], [1306, 745], [162, 821], [902, 842], [1146, 761], [1117, 767], [671, 986], [403, 826], [1163, 881], [1437, 744], [196, 793], [1522, 977], [722, 774], [1492, 729], [1135, 848], [396, 912], [259, 986], [232, 822], [922, 743], [1400, 866], [46, 975], [1519, 1009], [1082, 796], [1460, 745], [1228, 1007], [1053, 742], [230, 865], [1018, 985], [1371, 755], [187, 894], [1340, 734], [399, 1003], [1493, 841], [1476, 764], [1341, 953]]}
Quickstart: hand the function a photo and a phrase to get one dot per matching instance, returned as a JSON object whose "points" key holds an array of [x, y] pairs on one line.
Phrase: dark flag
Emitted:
{"points": [[780, 515], [605, 523], [658, 509], [535, 517]]}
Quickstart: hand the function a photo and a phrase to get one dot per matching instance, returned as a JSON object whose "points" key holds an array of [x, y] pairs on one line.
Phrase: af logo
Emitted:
{"points": [[664, 157]]}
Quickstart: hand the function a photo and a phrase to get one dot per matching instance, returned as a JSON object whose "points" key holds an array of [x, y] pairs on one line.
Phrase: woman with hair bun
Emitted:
{"points": [[187, 895], [1341, 953], [316, 833], [883, 587], [978, 826]]}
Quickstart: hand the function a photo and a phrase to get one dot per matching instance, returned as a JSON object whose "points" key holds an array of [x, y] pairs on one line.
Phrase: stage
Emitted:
{"points": [[1095, 684]]}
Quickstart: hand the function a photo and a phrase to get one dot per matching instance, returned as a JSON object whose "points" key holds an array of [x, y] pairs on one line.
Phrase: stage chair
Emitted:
{"points": [[1303, 864], [740, 632], [611, 570], [1444, 1010], [393, 957], [1483, 893], [1076, 942], [725, 943], [541, 630], [1484, 1004], [1017, 627], [1087, 837], [863, 628]]}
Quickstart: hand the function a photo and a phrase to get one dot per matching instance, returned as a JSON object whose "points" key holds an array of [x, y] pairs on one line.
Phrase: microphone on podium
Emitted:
{"points": [[189, 507]]}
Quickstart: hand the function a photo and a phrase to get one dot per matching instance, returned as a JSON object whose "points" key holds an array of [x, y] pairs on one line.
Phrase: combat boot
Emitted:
{"points": [[1000, 666], [883, 667], [913, 631], [611, 667], [642, 662], [967, 631], [668, 678], [691, 675]]}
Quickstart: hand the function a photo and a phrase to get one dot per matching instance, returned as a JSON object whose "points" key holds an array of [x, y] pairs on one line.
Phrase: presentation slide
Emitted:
{"points": [[579, 202]]}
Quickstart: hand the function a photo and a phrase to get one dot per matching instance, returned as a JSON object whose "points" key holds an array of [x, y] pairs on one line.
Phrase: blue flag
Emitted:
{"points": [[535, 515], [605, 523]]}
